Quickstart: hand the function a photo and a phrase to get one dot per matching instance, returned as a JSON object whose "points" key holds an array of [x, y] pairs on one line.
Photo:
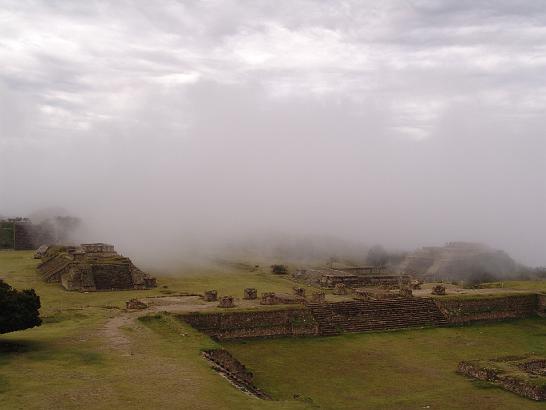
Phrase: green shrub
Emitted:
{"points": [[18, 309]]}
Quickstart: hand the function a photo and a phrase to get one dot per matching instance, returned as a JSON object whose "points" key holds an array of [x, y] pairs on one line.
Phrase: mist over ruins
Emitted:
{"points": [[272, 205]]}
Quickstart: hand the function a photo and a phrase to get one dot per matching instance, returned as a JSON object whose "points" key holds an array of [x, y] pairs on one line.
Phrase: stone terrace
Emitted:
{"points": [[386, 314]]}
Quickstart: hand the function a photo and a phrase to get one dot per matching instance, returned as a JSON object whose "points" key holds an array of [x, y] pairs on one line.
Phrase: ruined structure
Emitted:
{"points": [[92, 267], [226, 302], [329, 278], [366, 270], [490, 308], [299, 291], [415, 284], [318, 297], [23, 234], [41, 252], [272, 298], [135, 304], [406, 292], [211, 296], [524, 375], [372, 314], [224, 363], [439, 290], [250, 294], [340, 289], [457, 260]]}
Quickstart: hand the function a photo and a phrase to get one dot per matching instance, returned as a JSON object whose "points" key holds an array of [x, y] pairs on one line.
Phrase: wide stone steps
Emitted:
{"points": [[362, 316]]}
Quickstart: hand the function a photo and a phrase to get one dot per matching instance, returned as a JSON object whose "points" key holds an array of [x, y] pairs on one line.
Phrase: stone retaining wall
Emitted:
{"points": [[541, 305], [254, 324], [236, 372], [466, 310]]}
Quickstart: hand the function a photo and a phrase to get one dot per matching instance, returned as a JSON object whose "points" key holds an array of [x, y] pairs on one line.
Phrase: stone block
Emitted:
{"points": [[211, 296], [226, 302], [250, 294]]}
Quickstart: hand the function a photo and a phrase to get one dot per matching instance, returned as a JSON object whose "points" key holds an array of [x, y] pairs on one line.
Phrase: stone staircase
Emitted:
{"points": [[52, 268], [376, 315]]}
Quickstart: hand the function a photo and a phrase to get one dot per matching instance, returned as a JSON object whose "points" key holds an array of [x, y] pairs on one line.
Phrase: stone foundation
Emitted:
{"points": [[135, 304], [340, 289], [271, 298], [524, 376]]}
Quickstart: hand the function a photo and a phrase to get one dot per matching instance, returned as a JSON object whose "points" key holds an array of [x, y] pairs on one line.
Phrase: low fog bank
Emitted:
{"points": [[163, 245], [247, 165]]}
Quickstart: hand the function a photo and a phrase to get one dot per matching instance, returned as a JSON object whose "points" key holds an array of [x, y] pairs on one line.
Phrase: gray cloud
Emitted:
{"points": [[405, 123]]}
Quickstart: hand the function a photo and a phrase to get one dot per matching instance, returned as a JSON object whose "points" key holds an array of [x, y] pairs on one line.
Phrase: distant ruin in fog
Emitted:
{"points": [[23, 234], [458, 260]]}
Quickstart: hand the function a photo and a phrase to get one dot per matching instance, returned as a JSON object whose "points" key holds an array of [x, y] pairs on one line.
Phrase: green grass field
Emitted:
{"points": [[68, 363]]}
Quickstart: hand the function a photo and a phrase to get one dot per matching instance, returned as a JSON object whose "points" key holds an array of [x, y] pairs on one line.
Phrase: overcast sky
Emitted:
{"points": [[406, 123]]}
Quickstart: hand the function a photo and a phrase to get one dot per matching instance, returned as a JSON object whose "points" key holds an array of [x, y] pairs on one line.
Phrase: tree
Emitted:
{"points": [[18, 309]]}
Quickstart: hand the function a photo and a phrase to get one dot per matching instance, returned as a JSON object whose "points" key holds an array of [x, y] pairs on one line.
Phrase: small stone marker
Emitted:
{"points": [[226, 302], [299, 292], [250, 294], [340, 289], [415, 284], [211, 296], [135, 304]]}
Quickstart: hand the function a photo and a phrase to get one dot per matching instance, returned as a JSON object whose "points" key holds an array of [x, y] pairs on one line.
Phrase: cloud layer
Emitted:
{"points": [[404, 123]]}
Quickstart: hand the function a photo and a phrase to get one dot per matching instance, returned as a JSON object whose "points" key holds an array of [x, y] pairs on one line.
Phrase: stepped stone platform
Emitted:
{"points": [[361, 315], [92, 267], [370, 315]]}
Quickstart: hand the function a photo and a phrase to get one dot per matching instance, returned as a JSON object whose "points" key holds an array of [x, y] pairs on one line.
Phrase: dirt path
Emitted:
{"points": [[114, 330]]}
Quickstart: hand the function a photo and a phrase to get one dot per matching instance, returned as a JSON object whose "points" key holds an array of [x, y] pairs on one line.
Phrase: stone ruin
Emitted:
{"points": [[318, 297], [41, 252], [299, 291], [250, 294], [135, 304], [340, 289], [525, 376], [439, 290], [23, 234], [272, 298], [415, 284], [92, 267], [456, 260], [406, 292], [211, 296], [375, 294], [224, 363], [226, 302]]}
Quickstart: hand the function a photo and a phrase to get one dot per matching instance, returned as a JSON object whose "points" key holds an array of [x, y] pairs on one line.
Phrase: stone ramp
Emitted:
{"points": [[375, 315]]}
